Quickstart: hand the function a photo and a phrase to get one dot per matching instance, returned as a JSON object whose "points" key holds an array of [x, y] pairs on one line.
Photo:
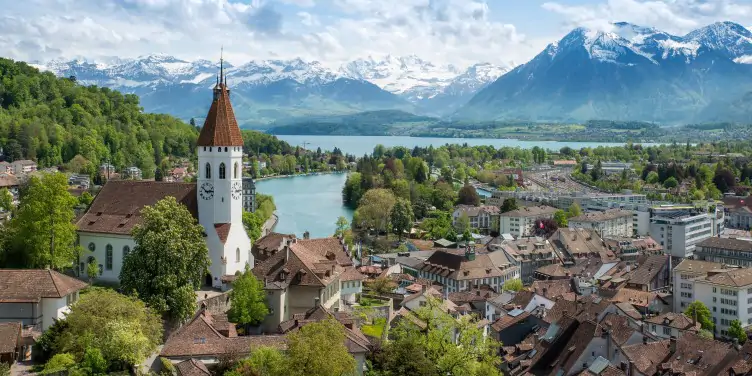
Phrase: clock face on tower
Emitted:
{"points": [[237, 190], [206, 191]]}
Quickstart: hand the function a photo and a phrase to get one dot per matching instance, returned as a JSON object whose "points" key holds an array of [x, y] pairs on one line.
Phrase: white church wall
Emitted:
{"points": [[100, 241]]}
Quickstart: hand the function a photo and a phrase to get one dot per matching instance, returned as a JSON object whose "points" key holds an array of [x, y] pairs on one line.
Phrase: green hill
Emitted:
{"points": [[55, 121]]}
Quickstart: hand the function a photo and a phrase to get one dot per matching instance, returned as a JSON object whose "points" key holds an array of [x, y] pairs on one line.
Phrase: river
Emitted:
{"points": [[307, 203], [359, 145]]}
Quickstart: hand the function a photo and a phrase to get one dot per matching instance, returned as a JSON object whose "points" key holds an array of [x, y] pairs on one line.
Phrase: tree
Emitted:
{"points": [[574, 210], [85, 199], [381, 285], [509, 204], [247, 300], [401, 217], [253, 224], [264, 361], [560, 217], [42, 233], [375, 208], [514, 284], [4, 369], [6, 200], [342, 226], [318, 349], [462, 223], [724, 180], [597, 172], [92, 269], [671, 182], [652, 177], [120, 327], [735, 330], [544, 227], [700, 311], [468, 196], [94, 362], [59, 362], [169, 260]]}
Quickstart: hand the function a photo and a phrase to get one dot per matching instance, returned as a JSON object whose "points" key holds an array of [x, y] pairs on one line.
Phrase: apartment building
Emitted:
{"points": [[738, 212], [728, 251], [679, 230], [683, 279], [529, 254], [520, 222], [611, 222], [480, 217], [728, 294], [464, 270]]}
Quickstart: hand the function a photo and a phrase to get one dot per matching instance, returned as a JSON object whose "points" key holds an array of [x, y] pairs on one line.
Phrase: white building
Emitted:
{"points": [[728, 251], [36, 297], [728, 295], [671, 324], [612, 222], [678, 230], [23, 166], [215, 200], [738, 212], [465, 270], [520, 222], [480, 217], [683, 278]]}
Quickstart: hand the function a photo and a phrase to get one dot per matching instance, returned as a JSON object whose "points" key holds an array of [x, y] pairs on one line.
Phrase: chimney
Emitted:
{"points": [[424, 288], [672, 344], [631, 370], [316, 301], [644, 340], [287, 253]]}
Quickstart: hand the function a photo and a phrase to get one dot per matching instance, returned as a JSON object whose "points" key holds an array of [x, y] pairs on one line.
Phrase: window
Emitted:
{"points": [[225, 149], [666, 330], [126, 251], [222, 170], [82, 268], [108, 257], [207, 171], [423, 303], [92, 247], [235, 171], [237, 255]]}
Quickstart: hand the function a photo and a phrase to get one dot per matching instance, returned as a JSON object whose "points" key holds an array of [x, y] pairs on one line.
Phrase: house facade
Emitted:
{"points": [[612, 222], [480, 217], [520, 222]]}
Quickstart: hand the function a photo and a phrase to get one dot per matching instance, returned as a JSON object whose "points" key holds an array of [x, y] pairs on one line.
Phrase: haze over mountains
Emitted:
{"points": [[627, 73]]}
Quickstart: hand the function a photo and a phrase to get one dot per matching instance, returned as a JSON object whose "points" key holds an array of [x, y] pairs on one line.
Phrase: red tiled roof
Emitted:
{"points": [[220, 127], [27, 285], [223, 230], [192, 367], [507, 321], [117, 207], [10, 334]]}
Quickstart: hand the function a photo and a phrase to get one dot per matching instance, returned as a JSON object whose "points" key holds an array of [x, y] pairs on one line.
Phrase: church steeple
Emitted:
{"points": [[220, 127]]}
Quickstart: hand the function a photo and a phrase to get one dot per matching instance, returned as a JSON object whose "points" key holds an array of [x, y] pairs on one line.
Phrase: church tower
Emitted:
{"points": [[220, 187]]}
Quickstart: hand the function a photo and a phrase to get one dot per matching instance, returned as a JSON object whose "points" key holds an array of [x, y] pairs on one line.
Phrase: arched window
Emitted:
{"points": [[92, 247], [235, 171], [237, 255], [108, 257], [207, 171], [225, 149], [222, 170], [126, 251]]}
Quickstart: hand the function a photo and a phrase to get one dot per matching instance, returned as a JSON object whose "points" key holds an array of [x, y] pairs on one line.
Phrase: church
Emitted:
{"points": [[215, 200]]}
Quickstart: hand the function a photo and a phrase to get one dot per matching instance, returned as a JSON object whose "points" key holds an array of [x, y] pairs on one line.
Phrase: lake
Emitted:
{"points": [[359, 145], [307, 203]]}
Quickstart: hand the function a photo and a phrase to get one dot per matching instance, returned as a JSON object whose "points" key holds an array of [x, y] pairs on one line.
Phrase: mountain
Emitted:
{"points": [[266, 91], [370, 123], [627, 73]]}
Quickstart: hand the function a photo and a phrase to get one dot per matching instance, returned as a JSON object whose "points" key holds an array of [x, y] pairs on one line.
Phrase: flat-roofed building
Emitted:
{"points": [[612, 222], [520, 222]]}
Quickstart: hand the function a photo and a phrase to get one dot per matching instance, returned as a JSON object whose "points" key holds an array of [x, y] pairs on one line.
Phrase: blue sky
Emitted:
{"points": [[459, 32]]}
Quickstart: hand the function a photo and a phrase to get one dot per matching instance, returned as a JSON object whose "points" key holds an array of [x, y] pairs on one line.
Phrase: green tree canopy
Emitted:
{"points": [[735, 330], [6, 200], [42, 233], [702, 313], [319, 349], [375, 208], [514, 284], [560, 217], [468, 196], [342, 226], [671, 182], [121, 328], [169, 260], [264, 361], [247, 300], [509, 204], [401, 217], [574, 210]]}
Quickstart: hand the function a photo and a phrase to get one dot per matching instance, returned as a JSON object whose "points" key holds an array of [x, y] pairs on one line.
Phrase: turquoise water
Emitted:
{"points": [[307, 203], [359, 145]]}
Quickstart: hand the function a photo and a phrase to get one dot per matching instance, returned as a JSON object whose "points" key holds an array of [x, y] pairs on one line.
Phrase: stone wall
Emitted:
{"points": [[216, 304]]}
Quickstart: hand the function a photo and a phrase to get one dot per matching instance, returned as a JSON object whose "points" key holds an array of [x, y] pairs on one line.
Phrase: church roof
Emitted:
{"points": [[220, 127], [117, 207], [223, 230]]}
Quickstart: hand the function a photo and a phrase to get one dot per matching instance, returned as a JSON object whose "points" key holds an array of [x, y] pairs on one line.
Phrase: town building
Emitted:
{"points": [[23, 166], [725, 251], [738, 211], [679, 230], [728, 295], [519, 223], [690, 354], [36, 297], [480, 217], [671, 324], [529, 254], [628, 249], [611, 168], [462, 270], [215, 201], [579, 243], [133, 173], [612, 222], [6, 167], [249, 195], [683, 278]]}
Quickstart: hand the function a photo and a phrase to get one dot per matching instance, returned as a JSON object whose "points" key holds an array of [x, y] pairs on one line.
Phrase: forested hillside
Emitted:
{"points": [[54, 121]]}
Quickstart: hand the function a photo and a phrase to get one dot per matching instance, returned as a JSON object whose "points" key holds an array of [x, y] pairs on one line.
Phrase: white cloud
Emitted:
{"points": [[300, 3]]}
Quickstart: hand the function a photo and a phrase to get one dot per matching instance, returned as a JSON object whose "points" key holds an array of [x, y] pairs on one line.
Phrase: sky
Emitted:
{"points": [[459, 32]]}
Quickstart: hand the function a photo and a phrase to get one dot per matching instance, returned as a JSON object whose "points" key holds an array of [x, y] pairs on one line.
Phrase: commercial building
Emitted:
{"points": [[679, 230], [726, 251], [612, 222], [520, 222], [728, 295], [683, 279], [738, 212]]}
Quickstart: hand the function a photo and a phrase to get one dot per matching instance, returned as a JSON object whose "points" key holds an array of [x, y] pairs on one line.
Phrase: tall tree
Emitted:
{"points": [[375, 208], [342, 226], [319, 349], [42, 233], [574, 210], [121, 327], [6, 200], [514, 284], [560, 217], [735, 330], [247, 300], [701, 312], [401, 217], [462, 224], [468, 196], [509, 204], [169, 260], [264, 361]]}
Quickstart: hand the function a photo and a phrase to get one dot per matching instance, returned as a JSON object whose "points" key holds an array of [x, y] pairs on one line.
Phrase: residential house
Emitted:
{"points": [[651, 275], [192, 367], [462, 271], [529, 254], [270, 244], [579, 243], [689, 354], [10, 342], [133, 173], [728, 295], [628, 249], [683, 277], [612, 222], [480, 217], [23, 166], [36, 297], [554, 289], [513, 327], [307, 273], [179, 173], [475, 301], [520, 222], [671, 324], [727, 251], [107, 169], [738, 212], [6, 168]]}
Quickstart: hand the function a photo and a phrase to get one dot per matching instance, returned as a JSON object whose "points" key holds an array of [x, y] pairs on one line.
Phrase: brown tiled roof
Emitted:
{"points": [[303, 267], [733, 277], [726, 243], [192, 367], [8, 180], [326, 246], [647, 357], [703, 356], [355, 340], [456, 266], [697, 266], [220, 127], [351, 274], [200, 338], [474, 295], [28, 285], [10, 334], [554, 270], [576, 345], [269, 244], [648, 270], [578, 242], [606, 215], [117, 207], [531, 211], [552, 289], [506, 321], [743, 363], [619, 326], [223, 230], [674, 320], [474, 211], [522, 298], [634, 297]]}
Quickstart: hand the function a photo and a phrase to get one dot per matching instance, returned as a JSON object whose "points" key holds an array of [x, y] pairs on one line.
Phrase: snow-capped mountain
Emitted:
{"points": [[628, 72]]}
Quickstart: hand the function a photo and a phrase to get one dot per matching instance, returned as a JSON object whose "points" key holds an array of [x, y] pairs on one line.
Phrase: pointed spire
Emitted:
{"points": [[221, 64]]}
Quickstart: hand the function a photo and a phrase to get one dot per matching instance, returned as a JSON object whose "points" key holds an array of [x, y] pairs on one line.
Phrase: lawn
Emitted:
{"points": [[376, 329], [371, 302]]}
